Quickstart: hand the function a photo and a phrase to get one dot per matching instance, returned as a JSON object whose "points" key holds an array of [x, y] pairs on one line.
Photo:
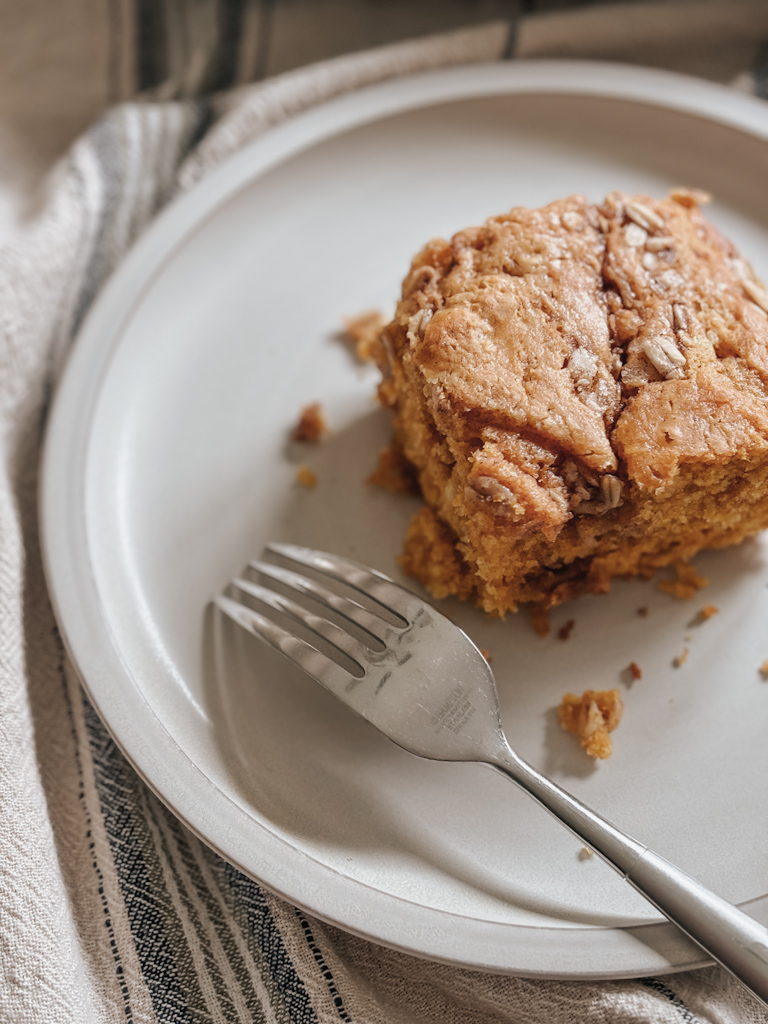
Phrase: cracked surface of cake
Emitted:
{"points": [[582, 391]]}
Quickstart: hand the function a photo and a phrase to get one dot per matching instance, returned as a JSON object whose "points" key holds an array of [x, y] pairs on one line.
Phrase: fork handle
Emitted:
{"points": [[727, 934]]}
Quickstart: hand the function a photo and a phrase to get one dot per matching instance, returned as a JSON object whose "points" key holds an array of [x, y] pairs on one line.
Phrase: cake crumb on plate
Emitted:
{"points": [[565, 630], [364, 331], [311, 427], [681, 659], [306, 477], [592, 716]]}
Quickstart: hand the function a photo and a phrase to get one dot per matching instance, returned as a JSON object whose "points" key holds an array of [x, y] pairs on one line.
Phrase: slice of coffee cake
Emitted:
{"points": [[582, 391]]}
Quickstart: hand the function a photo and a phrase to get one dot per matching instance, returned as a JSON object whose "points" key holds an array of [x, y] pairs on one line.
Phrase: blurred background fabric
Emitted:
{"points": [[64, 63]]}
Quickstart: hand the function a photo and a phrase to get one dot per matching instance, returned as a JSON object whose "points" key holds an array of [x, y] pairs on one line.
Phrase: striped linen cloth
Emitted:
{"points": [[110, 909]]}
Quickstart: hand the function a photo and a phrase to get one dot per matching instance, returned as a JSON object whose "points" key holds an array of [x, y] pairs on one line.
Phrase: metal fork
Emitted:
{"points": [[421, 681]]}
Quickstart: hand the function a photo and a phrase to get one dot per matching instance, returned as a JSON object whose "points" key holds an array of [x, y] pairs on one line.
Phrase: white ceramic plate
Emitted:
{"points": [[168, 465]]}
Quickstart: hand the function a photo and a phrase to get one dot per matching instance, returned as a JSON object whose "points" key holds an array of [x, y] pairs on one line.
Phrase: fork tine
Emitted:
{"points": [[374, 625], [301, 653], [328, 630], [397, 600]]}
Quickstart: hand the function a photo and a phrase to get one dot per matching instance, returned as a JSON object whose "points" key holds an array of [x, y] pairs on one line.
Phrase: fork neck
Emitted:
{"points": [[617, 848]]}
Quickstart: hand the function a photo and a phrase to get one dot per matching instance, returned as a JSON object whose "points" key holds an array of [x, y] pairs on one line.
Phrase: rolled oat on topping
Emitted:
{"points": [[417, 324], [681, 317], [649, 261], [614, 203], [741, 268], [690, 197], [757, 294], [583, 367], [644, 216], [665, 356], [611, 488], [635, 236], [659, 243], [572, 220]]}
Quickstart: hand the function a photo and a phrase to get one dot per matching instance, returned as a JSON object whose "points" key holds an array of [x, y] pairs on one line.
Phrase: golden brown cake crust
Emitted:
{"points": [[561, 376]]}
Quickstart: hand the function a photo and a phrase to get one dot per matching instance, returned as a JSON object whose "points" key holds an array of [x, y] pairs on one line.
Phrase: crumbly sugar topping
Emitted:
{"points": [[580, 349]]}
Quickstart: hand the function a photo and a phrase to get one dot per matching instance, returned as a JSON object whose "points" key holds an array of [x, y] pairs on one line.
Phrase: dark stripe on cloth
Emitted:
{"points": [[324, 969], [119, 972], [154, 847], [264, 41], [261, 926], [760, 71], [513, 27], [157, 959], [151, 44], [230, 26], [182, 853], [203, 110], [664, 990]]}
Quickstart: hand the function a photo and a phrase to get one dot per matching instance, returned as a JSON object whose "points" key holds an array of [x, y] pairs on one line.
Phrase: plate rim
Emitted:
{"points": [[162, 764]]}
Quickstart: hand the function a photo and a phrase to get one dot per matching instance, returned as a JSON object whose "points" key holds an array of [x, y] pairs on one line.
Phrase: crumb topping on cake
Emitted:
{"points": [[561, 343], [582, 392]]}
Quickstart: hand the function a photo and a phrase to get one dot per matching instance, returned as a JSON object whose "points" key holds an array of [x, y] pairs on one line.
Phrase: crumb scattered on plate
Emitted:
{"points": [[708, 611], [592, 716], [764, 669], [364, 331], [393, 472], [539, 616], [634, 670], [585, 853], [311, 427], [681, 659], [565, 631], [306, 477], [688, 583]]}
